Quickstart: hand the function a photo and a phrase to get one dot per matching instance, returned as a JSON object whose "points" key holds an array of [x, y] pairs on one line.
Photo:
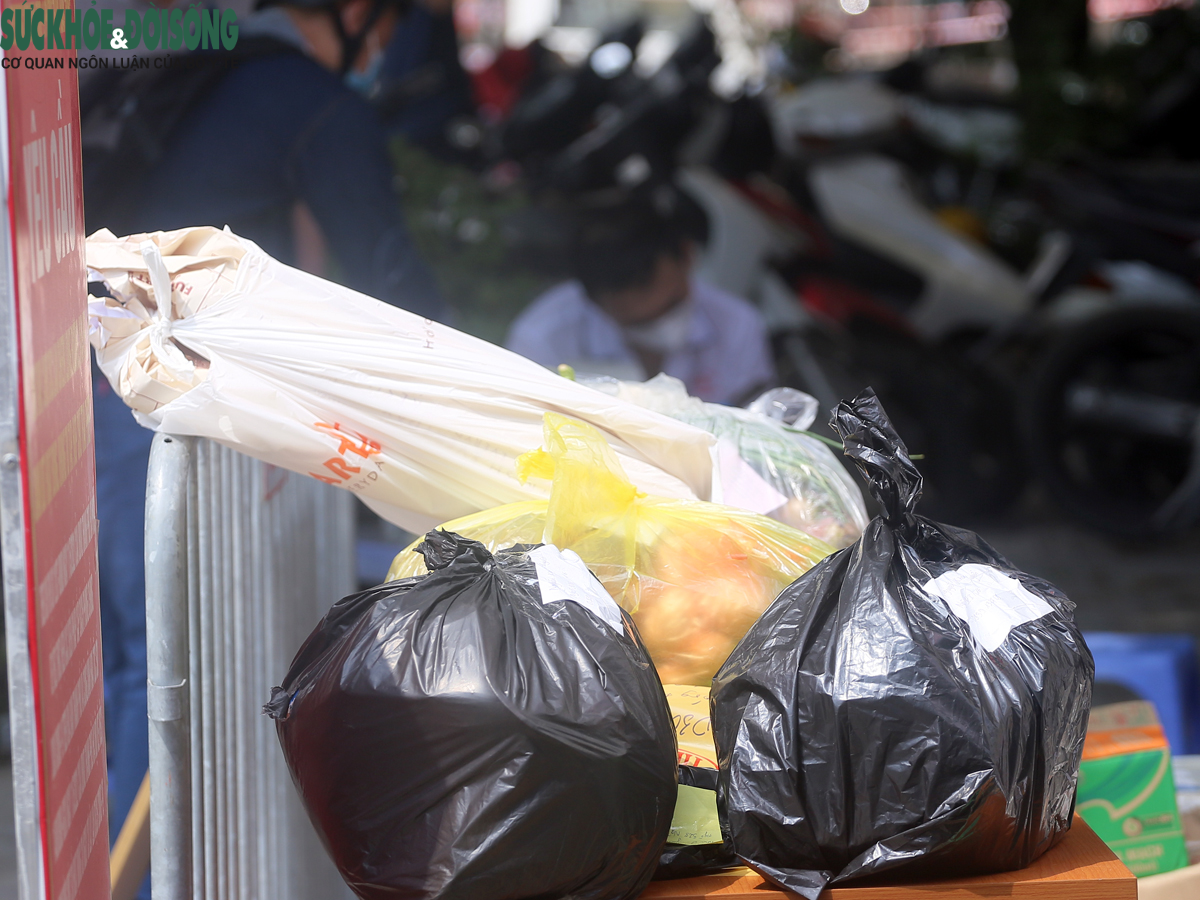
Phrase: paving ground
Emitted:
{"points": [[1117, 586]]}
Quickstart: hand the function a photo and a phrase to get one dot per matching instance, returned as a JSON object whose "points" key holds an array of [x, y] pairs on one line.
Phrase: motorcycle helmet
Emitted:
{"points": [[351, 43]]}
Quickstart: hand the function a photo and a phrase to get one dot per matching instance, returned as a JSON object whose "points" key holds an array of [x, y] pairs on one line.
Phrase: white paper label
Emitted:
{"points": [[741, 486], [990, 602], [562, 575]]}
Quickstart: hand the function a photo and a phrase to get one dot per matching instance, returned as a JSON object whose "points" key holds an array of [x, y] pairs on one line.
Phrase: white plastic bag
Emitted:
{"points": [[422, 422]]}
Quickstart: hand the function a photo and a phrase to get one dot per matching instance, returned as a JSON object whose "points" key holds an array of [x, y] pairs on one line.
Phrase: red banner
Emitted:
{"points": [[45, 209]]}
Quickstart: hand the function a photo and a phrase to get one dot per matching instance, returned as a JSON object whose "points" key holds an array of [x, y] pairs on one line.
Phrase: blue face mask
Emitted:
{"points": [[364, 82]]}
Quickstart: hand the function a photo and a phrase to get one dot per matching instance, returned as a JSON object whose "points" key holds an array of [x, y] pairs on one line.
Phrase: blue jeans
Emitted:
{"points": [[122, 457]]}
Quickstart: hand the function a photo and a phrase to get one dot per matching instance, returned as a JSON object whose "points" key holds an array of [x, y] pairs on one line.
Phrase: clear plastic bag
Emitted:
{"points": [[693, 575], [818, 495]]}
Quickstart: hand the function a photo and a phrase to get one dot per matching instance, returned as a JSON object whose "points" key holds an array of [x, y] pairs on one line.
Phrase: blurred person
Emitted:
{"points": [[247, 137], [422, 87], [634, 309], [258, 138]]}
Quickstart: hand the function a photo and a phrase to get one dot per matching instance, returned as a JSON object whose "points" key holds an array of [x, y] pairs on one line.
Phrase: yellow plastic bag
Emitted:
{"points": [[693, 575]]}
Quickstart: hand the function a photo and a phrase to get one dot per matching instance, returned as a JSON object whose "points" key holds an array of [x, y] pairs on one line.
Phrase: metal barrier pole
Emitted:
{"points": [[167, 701], [242, 559]]}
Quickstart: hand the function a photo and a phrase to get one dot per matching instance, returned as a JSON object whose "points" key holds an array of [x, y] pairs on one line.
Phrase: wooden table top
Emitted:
{"points": [[1081, 867]]}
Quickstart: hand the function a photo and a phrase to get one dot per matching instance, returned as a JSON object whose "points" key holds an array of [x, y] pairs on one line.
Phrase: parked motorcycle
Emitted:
{"points": [[863, 283], [1107, 380], [1112, 412]]}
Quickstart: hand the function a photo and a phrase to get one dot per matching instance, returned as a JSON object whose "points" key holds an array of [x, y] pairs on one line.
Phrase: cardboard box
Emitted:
{"points": [[1182, 884], [1187, 794], [1126, 789], [695, 820], [693, 725]]}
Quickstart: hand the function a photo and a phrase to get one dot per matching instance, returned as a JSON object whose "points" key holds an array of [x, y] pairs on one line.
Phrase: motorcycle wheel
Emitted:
{"points": [[949, 412], [1112, 421]]}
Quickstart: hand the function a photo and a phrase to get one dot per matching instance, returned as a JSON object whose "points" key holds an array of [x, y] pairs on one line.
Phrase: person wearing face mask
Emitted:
{"points": [[634, 309], [271, 138]]}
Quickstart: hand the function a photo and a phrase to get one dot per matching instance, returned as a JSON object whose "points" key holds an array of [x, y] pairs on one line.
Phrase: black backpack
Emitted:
{"points": [[129, 115]]}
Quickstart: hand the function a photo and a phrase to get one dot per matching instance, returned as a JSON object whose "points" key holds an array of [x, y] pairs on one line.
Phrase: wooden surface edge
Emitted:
{"points": [[1079, 867], [1079, 889], [1090, 889]]}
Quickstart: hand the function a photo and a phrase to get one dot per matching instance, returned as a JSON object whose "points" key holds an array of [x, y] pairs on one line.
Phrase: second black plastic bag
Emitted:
{"points": [[913, 704], [494, 729]]}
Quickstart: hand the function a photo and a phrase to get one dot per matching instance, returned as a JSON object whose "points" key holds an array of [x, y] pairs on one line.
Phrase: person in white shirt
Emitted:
{"points": [[635, 309]]}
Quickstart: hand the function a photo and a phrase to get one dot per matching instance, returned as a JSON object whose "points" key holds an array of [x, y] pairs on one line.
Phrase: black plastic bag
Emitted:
{"points": [[913, 704], [470, 734]]}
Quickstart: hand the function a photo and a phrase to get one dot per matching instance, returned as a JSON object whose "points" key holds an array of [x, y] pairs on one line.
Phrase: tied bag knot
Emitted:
{"points": [[879, 453], [161, 339]]}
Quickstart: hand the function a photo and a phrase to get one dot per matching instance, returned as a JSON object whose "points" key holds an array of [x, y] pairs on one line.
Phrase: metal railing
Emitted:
{"points": [[242, 559]]}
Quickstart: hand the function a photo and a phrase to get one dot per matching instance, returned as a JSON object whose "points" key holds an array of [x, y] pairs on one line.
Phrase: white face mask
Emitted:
{"points": [[667, 334]]}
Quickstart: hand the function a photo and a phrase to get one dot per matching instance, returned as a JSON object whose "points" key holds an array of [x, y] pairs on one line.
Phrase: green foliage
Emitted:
{"points": [[1079, 95], [458, 223], [1050, 48]]}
